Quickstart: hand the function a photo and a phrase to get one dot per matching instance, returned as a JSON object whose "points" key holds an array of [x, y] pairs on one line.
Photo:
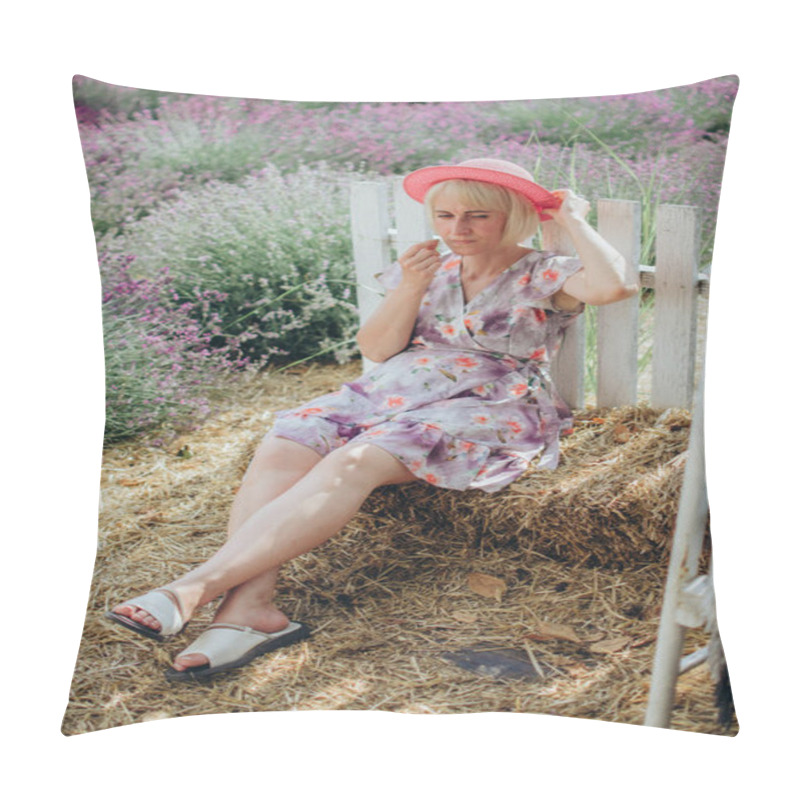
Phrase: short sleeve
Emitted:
{"points": [[390, 277], [547, 277]]}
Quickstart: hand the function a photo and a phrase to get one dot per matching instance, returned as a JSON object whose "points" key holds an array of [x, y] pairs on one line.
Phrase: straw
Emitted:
{"points": [[578, 556]]}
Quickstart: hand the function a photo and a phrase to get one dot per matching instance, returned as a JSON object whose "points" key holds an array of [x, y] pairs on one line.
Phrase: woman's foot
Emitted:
{"points": [[159, 613], [265, 618], [137, 614]]}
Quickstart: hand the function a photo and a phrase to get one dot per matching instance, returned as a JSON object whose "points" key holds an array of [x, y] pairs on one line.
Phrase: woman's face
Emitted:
{"points": [[465, 229]]}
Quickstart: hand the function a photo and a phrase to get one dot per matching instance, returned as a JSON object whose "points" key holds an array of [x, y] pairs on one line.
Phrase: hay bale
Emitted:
{"points": [[612, 502]]}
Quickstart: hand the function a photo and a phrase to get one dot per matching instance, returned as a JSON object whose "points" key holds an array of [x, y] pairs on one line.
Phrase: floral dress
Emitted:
{"points": [[469, 404]]}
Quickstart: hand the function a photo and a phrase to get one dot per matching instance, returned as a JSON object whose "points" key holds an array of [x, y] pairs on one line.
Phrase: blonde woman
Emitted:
{"points": [[461, 398]]}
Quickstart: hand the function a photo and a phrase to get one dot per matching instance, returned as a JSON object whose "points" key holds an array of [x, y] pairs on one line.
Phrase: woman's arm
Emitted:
{"points": [[388, 329], [605, 277]]}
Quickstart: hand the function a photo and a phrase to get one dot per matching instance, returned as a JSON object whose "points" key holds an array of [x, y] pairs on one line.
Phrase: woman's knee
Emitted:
{"points": [[367, 465], [276, 453]]}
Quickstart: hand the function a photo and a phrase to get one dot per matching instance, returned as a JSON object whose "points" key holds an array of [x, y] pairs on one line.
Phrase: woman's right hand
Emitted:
{"points": [[421, 262], [389, 328]]}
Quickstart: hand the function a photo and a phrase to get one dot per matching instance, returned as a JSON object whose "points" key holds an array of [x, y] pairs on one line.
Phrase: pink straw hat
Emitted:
{"points": [[487, 170]]}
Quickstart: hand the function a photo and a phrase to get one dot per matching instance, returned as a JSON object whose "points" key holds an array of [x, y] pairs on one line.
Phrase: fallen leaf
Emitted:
{"points": [[547, 631], [486, 585], [465, 616], [621, 433], [128, 482], [613, 645]]}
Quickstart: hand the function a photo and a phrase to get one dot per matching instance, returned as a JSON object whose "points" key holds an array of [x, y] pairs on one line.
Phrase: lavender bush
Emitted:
{"points": [[275, 249], [663, 146], [161, 364]]}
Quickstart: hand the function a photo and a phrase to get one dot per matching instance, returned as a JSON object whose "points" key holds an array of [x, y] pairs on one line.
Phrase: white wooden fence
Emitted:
{"points": [[675, 278]]}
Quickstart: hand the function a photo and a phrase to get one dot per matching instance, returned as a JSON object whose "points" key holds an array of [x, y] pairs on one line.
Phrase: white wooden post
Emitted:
{"points": [[369, 221], [412, 226], [677, 256], [619, 222], [569, 364], [690, 527]]}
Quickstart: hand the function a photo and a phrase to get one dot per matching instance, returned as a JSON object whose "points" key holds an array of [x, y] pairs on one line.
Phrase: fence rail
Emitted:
{"points": [[384, 219]]}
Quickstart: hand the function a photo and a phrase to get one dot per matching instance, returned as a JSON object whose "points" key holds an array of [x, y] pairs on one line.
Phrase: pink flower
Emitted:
{"points": [[448, 330], [395, 402], [307, 412], [550, 274], [466, 362], [518, 389]]}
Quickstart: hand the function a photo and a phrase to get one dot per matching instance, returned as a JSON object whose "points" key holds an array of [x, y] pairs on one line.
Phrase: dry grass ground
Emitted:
{"points": [[561, 573]]}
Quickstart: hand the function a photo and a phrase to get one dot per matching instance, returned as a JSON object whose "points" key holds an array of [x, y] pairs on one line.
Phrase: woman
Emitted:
{"points": [[461, 398]]}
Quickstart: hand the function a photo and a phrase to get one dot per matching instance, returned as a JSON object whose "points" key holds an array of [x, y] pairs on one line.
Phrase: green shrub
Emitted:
{"points": [[277, 250], [160, 364]]}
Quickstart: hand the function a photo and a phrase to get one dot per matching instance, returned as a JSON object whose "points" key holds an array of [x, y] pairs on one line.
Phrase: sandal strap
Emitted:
{"points": [[164, 606], [222, 643]]}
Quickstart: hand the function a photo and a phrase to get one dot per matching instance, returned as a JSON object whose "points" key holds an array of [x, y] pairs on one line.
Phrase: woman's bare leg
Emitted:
{"points": [[304, 516], [308, 513], [276, 466]]}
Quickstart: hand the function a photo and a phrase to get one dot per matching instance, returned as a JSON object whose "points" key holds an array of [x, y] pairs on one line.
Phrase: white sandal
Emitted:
{"points": [[228, 647], [161, 604]]}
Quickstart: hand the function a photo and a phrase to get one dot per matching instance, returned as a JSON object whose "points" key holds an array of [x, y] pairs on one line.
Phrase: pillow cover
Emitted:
{"points": [[238, 242]]}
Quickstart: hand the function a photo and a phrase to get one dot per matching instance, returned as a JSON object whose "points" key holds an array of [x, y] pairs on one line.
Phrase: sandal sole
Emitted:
{"points": [[132, 625], [201, 674]]}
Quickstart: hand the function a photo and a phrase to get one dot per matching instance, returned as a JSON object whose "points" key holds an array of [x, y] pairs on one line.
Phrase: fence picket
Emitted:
{"points": [[619, 222], [569, 364], [412, 227], [677, 256], [369, 225]]}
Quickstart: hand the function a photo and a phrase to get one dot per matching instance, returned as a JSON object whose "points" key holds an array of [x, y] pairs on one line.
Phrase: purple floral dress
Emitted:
{"points": [[469, 404]]}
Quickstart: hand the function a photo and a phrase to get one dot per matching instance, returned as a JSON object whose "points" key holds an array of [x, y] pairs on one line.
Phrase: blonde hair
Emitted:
{"points": [[522, 220]]}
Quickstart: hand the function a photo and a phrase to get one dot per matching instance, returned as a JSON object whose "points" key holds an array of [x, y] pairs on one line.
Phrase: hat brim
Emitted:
{"points": [[417, 183]]}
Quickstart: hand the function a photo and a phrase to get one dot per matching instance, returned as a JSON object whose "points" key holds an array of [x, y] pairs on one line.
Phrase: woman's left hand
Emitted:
{"points": [[606, 276], [573, 207]]}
